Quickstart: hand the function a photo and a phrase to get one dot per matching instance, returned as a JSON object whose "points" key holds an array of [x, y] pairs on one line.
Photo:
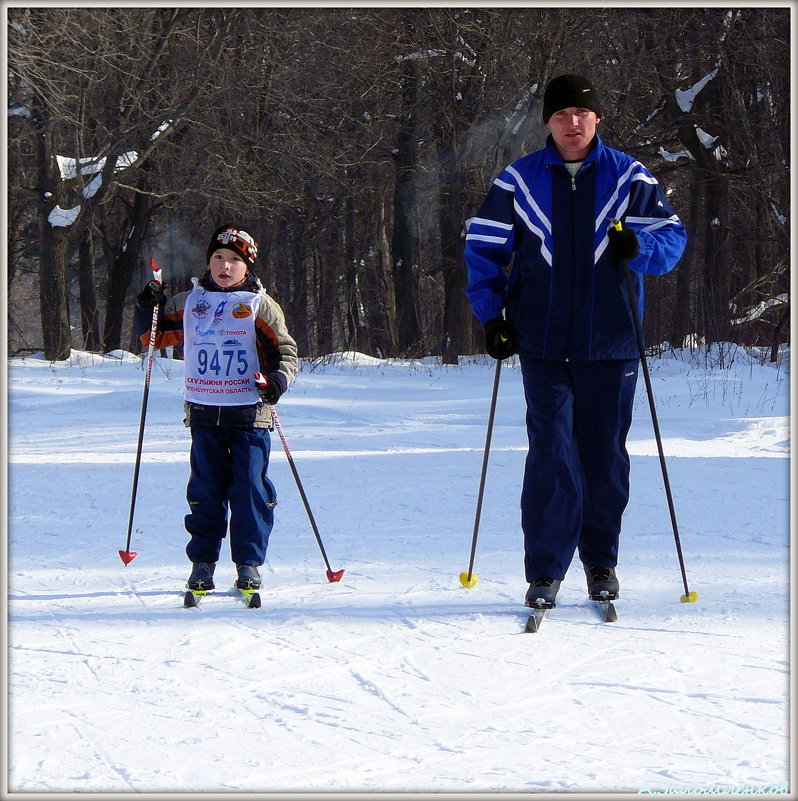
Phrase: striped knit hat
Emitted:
{"points": [[237, 239]]}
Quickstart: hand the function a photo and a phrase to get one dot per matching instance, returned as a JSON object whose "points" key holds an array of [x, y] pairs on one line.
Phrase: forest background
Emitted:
{"points": [[357, 142]]}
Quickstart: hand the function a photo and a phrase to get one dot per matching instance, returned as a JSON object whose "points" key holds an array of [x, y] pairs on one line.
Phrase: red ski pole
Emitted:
{"points": [[332, 575], [127, 555]]}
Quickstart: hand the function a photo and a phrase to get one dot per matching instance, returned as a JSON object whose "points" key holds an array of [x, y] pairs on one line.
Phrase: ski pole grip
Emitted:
{"points": [[617, 225], [157, 272]]}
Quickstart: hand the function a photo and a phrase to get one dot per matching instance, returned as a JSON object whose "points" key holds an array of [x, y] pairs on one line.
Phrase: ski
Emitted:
{"points": [[604, 606], [606, 609], [534, 621], [251, 598], [192, 598], [539, 610]]}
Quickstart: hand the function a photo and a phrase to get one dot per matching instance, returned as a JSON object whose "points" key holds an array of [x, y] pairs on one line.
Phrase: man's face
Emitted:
{"points": [[573, 130]]}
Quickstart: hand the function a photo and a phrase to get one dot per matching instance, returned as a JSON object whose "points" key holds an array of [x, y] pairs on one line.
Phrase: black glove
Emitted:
{"points": [[623, 243], [152, 295], [499, 338], [269, 391]]}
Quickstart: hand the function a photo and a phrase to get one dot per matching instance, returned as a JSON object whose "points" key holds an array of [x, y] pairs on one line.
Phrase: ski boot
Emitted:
{"points": [[248, 577], [542, 593], [201, 577], [602, 583]]}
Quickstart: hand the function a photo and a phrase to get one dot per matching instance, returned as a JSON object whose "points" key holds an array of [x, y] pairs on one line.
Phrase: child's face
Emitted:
{"points": [[227, 267]]}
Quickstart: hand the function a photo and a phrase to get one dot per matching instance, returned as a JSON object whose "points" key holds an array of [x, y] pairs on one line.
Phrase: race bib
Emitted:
{"points": [[219, 347]]}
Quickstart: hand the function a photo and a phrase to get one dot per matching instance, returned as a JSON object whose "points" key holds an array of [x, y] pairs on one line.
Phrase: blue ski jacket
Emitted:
{"points": [[538, 251]]}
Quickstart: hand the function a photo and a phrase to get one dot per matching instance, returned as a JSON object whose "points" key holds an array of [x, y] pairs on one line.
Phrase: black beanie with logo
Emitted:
{"points": [[566, 91]]}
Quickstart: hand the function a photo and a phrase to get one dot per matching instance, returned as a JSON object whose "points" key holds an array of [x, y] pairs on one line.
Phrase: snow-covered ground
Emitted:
{"points": [[396, 679]]}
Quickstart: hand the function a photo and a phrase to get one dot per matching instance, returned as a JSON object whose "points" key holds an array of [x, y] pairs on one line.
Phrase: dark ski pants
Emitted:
{"points": [[228, 471], [576, 480]]}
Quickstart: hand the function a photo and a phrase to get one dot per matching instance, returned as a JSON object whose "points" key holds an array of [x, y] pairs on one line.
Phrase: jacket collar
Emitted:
{"points": [[553, 155], [251, 284]]}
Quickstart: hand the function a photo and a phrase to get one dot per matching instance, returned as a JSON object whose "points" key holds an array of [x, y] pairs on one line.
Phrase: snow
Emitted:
{"points": [[396, 679], [757, 311], [707, 140], [62, 218], [69, 168], [686, 154], [686, 97], [91, 189], [162, 128]]}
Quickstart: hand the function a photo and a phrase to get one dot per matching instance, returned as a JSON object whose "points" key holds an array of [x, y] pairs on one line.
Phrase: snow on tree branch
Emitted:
{"points": [[757, 311], [686, 97]]}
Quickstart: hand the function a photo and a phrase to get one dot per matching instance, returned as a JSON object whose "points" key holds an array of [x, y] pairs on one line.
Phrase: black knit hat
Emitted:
{"points": [[570, 90], [237, 239]]}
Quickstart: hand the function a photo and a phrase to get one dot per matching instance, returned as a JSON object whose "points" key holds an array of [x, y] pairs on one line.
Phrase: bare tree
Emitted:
{"points": [[100, 101], [357, 142]]}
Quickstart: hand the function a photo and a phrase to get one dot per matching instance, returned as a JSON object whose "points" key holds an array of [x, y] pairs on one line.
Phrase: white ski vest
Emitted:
{"points": [[219, 347]]}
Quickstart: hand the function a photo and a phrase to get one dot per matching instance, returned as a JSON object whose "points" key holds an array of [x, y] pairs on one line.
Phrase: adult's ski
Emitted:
{"points": [[605, 608], [535, 620]]}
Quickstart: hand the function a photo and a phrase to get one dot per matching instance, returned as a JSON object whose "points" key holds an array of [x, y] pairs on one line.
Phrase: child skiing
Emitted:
{"points": [[230, 329]]}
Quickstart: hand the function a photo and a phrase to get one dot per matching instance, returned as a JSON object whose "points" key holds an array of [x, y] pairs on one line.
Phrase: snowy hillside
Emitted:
{"points": [[396, 679]]}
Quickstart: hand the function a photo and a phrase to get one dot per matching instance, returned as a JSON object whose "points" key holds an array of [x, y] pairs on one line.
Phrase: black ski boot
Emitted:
{"points": [[201, 577], [248, 577], [602, 583], [542, 593]]}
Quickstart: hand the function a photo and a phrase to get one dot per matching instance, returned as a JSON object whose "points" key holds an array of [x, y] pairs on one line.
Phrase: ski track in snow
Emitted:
{"points": [[395, 679]]}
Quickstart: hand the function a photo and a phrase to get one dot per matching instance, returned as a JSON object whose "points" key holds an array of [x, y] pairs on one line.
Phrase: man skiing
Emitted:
{"points": [[230, 329], [546, 280]]}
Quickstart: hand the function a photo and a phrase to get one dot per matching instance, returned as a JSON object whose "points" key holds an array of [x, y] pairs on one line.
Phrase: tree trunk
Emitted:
{"points": [[774, 344], [381, 310], [717, 272], [53, 288], [302, 330], [355, 313], [456, 310], [53, 296], [683, 321], [89, 312], [123, 268], [404, 244]]}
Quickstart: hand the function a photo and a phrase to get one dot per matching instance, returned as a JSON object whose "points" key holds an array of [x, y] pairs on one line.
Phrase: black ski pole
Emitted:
{"points": [[688, 597], [331, 574], [127, 555], [468, 579]]}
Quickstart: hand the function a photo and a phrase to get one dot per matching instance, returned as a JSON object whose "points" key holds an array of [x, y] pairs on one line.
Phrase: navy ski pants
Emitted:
{"points": [[228, 471], [576, 480]]}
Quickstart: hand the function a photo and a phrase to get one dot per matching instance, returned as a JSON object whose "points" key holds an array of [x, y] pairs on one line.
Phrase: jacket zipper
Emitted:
{"points": [[573, 276]]}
